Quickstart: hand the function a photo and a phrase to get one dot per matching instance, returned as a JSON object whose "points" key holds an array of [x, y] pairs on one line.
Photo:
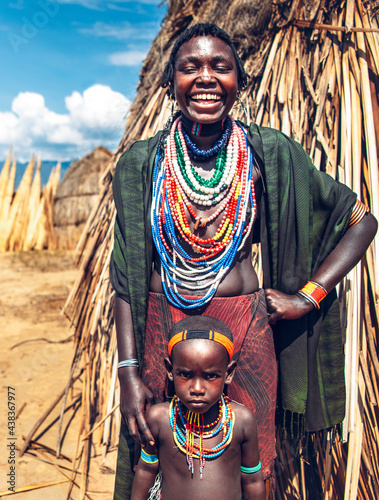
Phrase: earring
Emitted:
{"points": [[173, 106], [244, 108]]}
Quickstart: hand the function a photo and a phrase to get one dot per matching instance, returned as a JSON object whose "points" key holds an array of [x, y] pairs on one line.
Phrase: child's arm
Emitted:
{"points": [[145, 474], [148, 464], [252, 482]]}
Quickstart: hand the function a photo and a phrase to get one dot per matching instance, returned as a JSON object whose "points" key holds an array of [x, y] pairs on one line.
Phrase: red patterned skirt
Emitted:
{"points": [[255, 380]]}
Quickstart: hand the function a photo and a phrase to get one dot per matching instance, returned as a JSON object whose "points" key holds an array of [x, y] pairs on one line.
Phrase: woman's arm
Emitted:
{"points": [[339, 262], [135, 397]]}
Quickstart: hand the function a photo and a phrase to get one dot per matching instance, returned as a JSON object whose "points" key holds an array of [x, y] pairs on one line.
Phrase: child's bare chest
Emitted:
{"points": [[221, 476]]}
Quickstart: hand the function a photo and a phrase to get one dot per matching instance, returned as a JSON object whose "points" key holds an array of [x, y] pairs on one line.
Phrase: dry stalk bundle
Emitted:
{"points": [[24, 489], [313, 76], [4, 180], [26, 215]]}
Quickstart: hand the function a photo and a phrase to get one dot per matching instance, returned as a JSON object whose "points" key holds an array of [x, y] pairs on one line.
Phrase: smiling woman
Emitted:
{"points": [[206, 79], [190, 202]]}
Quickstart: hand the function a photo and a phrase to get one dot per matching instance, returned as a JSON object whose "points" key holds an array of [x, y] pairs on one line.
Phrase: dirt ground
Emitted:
{"points": [[36, 350]]}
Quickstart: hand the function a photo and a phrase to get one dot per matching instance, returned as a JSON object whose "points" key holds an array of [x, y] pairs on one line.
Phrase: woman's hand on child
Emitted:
{"points": [[135, 400]]}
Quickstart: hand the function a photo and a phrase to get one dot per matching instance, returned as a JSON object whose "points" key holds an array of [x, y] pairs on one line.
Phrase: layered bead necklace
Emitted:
{"points": [[175, 185], [200, 154], [186, 426]]}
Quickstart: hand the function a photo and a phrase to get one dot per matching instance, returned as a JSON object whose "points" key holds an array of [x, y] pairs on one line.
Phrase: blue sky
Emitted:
{"points": [[69, 72]]}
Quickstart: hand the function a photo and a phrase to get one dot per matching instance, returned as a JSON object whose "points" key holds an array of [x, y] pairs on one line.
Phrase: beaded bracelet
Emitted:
{"points": [[313, 292], [358, 212], [251, 470], [128, 362], [149, 459]]}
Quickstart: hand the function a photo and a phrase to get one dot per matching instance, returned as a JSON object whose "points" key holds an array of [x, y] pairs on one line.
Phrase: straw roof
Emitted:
{"points": [[76, 195], [314, 69]]}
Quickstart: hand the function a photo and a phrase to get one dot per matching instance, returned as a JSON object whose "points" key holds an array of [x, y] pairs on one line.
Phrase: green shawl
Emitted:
{"points": [[304, 213]]}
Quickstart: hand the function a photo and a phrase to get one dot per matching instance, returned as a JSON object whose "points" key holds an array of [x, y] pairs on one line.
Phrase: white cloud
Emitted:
{"points": [[137, 33], [122, 31], [94, 118], [128, 58]]}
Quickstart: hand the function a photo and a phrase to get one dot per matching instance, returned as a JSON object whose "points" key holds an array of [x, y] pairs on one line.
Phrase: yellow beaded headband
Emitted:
{"points": [[201, 334]]}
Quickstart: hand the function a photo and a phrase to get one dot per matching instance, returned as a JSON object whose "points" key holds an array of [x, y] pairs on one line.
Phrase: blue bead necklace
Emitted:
{"points": [[205, 154]]}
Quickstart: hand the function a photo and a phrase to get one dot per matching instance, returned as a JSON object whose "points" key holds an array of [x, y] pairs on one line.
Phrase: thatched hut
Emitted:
{"points": [[314, 69], [76, 195]]}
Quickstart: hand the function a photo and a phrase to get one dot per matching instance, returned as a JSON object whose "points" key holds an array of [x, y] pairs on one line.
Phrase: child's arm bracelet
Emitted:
{"points": [[251, 470], [149, 459], [313, 292]]}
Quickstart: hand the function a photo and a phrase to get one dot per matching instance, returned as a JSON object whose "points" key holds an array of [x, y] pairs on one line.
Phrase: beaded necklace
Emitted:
{"points": [[182, 169], [174, 187], [186, 427], [204, 155]]}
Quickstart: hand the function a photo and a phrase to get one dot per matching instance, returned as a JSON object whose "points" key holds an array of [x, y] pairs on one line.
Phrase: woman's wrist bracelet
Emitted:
{"points": [[313, 292], [128, 362]]}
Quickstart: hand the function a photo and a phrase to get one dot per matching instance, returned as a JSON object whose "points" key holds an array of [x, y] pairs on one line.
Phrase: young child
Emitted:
{"points": [[205, 445]]}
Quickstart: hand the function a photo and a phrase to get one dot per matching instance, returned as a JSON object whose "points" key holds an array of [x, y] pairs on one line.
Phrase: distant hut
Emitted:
{"points": [[76, 195], [314, 66]]}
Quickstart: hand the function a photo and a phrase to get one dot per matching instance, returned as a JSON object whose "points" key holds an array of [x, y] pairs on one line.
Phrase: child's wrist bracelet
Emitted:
{"points": [[313, 292], [251, 470], [149, 459], [128, 362]]}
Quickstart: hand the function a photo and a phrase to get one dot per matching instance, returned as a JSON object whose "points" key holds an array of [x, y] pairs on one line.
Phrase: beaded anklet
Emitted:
{"points": [[313, 292]]}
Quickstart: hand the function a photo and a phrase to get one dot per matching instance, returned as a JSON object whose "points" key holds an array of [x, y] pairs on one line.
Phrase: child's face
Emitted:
{"points": [[199, 370]]}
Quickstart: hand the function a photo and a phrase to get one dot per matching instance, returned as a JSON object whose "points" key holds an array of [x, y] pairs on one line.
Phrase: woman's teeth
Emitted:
{"points": [[206, 97]]}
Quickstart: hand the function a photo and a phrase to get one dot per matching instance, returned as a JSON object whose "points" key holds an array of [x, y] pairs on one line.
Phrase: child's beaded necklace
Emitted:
{"points": [[175, 184], [186, 426]]}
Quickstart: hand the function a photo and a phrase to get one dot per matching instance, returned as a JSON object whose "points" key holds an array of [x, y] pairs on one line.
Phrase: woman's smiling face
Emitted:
{"points": [[205, 79]]}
